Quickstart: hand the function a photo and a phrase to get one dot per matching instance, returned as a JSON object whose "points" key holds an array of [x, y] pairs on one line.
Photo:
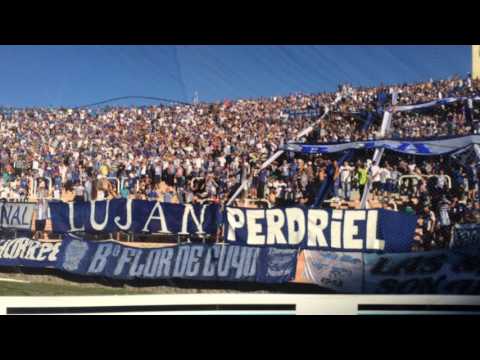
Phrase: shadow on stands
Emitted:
{"points": [[186, 284]]}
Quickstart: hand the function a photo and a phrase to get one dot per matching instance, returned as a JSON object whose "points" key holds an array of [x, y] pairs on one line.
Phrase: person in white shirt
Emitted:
{"points": [[384, 178], [375, 177], [57, 194], [79, 191], [346, 172], [100, 195]]}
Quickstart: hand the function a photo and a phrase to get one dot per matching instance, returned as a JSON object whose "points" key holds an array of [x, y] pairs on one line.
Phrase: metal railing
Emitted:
{"points": [[404, 178]]}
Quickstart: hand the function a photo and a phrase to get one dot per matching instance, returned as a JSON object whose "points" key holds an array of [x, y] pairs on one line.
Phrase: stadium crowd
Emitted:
{"points": [[201, 152]]}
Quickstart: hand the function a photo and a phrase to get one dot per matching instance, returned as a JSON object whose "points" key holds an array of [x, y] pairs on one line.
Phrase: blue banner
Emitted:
{"points": [[425, 147], [29, 253], [135, 216], [300, 227], [200, 262], [433, 272], [277, 265]]}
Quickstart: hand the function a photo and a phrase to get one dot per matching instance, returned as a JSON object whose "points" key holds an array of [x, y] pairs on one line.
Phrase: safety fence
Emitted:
{"points": [[411, 181]]}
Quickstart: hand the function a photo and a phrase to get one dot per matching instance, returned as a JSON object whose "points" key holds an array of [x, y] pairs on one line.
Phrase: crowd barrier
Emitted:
{"points": [[406, 178]]}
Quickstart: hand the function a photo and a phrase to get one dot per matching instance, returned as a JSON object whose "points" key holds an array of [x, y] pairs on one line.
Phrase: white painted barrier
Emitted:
{"points": [[245, 304]]}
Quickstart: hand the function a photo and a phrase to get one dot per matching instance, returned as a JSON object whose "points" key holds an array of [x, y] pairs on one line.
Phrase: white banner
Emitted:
{"points": [[339, 271], [16, 215], [465, 235]]}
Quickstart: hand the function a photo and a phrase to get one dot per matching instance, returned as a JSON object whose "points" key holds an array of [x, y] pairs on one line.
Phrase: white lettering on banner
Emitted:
{"points": [[290, 225], [317, 223], [193, 267], [16, 215], [236, 220], [165, 262], [31, 251], [235, 262], [372, 225], [238, 258], [96, 226], [250, 267], [125, 258], [209, 268], [2, 248], [160, 217], [12, 247], [23, 247], [336, 229], [26, 249], [56, 249], [254, 229], [129, 217], [181, 261], [44, 250], [71, 219], [275, 222], [151, 263], [100, 258], [224, 261], [295, 219], [136, 270], [350, 230], [188, 210]]}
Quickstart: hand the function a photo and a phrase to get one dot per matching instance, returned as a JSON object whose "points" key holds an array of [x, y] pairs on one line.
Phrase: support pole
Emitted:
{"points": [[277, 155], [327, 185], [377, 156], [476, 147]]}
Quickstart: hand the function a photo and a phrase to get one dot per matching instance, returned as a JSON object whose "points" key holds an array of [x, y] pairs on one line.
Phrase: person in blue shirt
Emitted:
{"points": [[152, 194], [131, 183], [58, 182], [262, 181], [167, 197], [24, 182]]}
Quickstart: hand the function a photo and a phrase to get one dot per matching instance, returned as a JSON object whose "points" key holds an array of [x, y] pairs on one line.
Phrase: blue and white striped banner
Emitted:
{"points": [[414, 147], [433, 103]]}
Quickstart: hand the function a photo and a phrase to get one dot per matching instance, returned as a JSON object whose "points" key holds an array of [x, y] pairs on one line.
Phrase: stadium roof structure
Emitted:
{"points": [[70, 76]]}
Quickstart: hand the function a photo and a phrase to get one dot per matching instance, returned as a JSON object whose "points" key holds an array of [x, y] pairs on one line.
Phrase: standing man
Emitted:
{"points": [[429, 221], [88, 189], [79, 191], [362, 178], [444, 222], [375, 177], [346, 172]]}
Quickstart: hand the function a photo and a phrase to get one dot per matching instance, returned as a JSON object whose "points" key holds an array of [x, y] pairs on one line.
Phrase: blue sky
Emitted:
{"points": [[76, 75]]}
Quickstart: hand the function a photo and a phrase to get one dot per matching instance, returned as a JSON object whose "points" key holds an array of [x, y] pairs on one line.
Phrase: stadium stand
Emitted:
{"points": [[201, 153]]}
